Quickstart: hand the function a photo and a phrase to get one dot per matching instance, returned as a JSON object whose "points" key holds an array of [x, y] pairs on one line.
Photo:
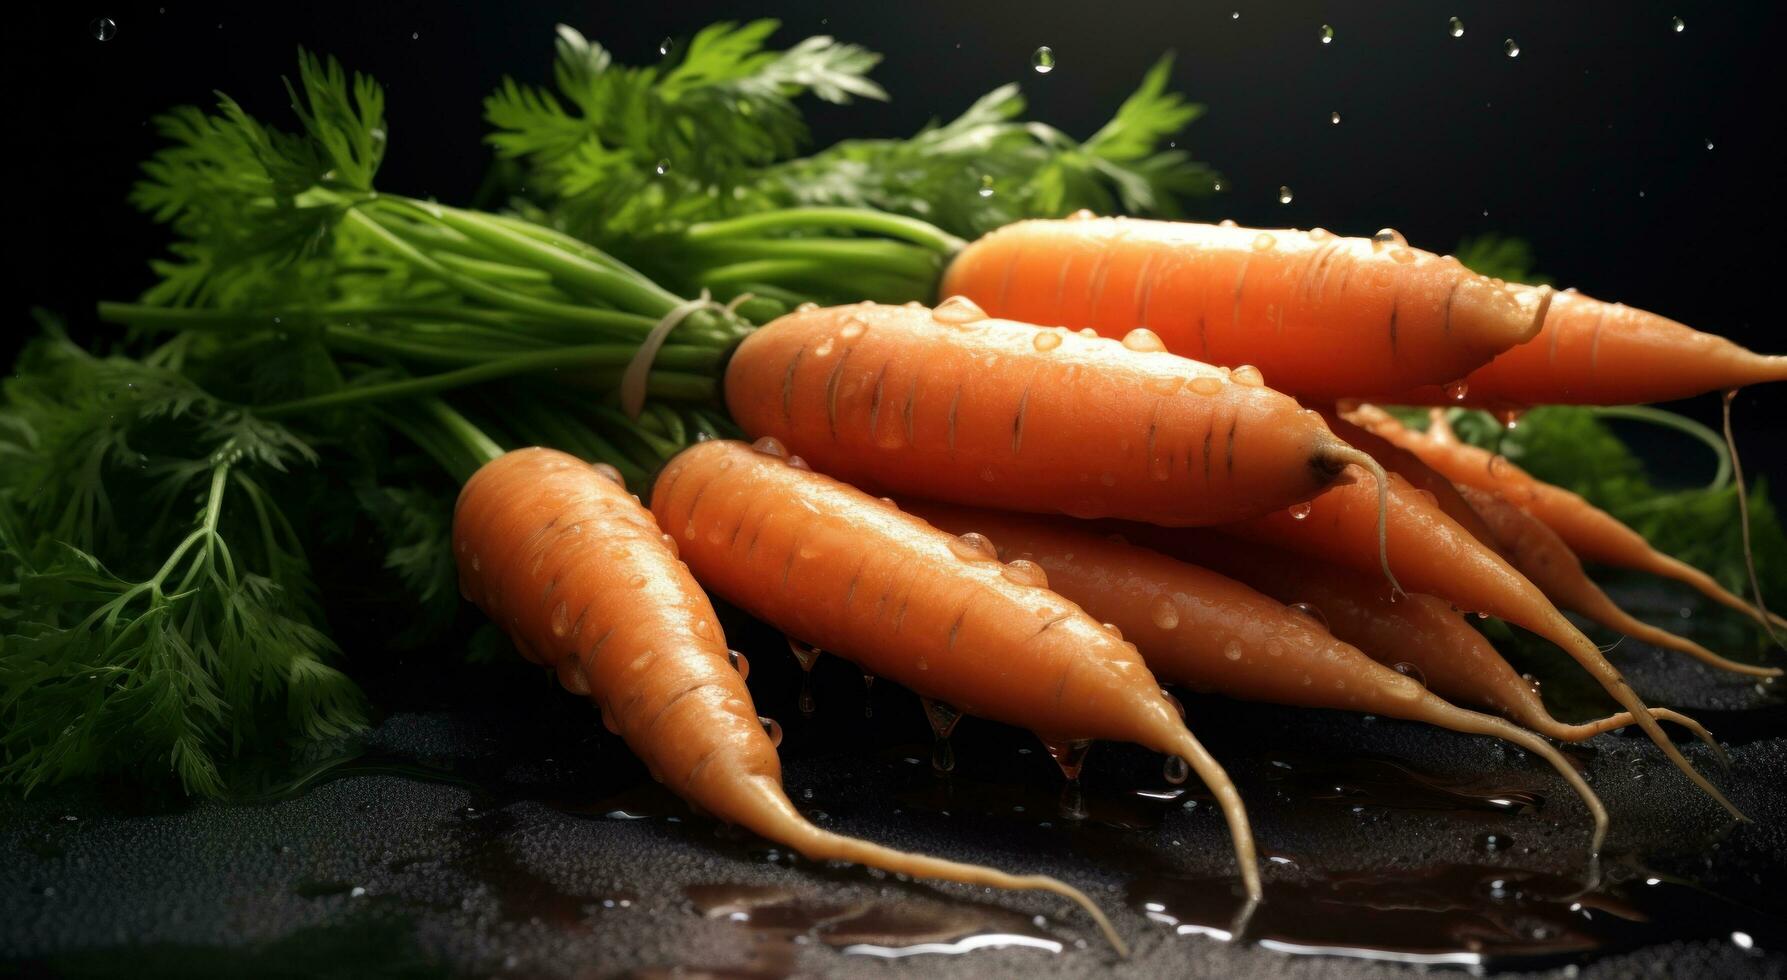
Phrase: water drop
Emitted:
{"points": [[1144, 340], [958, 310], [1742, 940], [662, 168], [476, 564], [1043, 60], [103, 28], [1490, 843], [1026, 573], [1046, 340], [1264, 241], [1205, 385], [1709, 143], [608, 472], [1510, 418], [806, 307], [1334, 117], [986, 185], [740, 663], [1248, 375], [771, 728], [1511, 47], [666, 46], [770, 446], [1532, 682], [1410, 671], [1675, 23], [1113, 629], [943, 718], [561, 620], [636, 582], [868, 694], [1083, 214], [1235, 16], [1301, 512], [1174, 770], [1305, 609], [973, 546], [1070, 757], [799, 463], [1389, 236], [1458, 390], [1284, 195], [804, 653], [1164, 612], [1216, 186], [1231, 650], [1327, 34]]}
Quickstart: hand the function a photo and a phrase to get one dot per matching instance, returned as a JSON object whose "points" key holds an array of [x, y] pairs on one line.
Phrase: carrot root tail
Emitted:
{"points": [[1240, 831], [1474, 723], [1743, 518]]}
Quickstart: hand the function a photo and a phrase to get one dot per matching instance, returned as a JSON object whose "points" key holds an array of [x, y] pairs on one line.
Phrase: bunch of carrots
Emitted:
{"points": [[946, 494]]}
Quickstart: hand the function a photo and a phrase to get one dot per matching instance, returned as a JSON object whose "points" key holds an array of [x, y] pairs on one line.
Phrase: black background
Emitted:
{"points": [[1592, 143]]}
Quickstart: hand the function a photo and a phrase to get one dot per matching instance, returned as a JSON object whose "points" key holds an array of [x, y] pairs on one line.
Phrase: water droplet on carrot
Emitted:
{"points": [[1205, 385], [1026, 573], [772, 728], [1264, 241], [973, 546], [852, 329], [607, 471], [704, 629], [561, 620], [1088, 332], [636, 582], [1410, 671], [1306, 609], [1112, 629], [1532, 682], [770, 446], [476, 564], [1231, 650], [1402, 256], [806, 307], [958, 310], [1046, 340], [1300, 512], [1389, 236], [799, 463], [1455, 27], [1164, 612], [1510, 418], [1248, 375], [1083, 214], [1144, 340], [670, 543], [739, 662]]}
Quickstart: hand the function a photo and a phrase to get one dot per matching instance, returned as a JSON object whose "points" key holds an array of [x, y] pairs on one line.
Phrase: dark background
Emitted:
{"points": [[1592, 144]]}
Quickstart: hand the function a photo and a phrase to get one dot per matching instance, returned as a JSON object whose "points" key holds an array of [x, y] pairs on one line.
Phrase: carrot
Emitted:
{"points": [[1544, 558], [1212, 633], [1590, 532], [953, 406], [1419, 634], [838, 569], [1527, 544], [1430, 553], [578, 573], [1323, 317], [1591, 352]]}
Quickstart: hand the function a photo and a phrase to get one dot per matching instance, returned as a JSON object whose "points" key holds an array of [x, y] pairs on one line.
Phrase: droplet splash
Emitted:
{"points": [[1043, 60]]}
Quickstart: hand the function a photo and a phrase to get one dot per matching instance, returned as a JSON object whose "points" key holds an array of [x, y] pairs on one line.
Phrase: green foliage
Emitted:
{"points": [[1500, 257]]}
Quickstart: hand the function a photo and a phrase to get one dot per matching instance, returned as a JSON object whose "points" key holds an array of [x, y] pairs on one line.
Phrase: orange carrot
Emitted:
{"points": [[1321, 316], [1590, 352], [1590, 532], [1430, 553], [840, 570], [1212, 633], [1544, 558], [1418, 634], [579, 575]]}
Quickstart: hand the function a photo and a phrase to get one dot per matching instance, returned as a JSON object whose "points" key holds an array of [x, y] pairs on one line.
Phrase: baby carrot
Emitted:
{"points": [[1590, 532], [579, 575], [838, 569], [1322, 316], [1418, 634], [1212, 633], [1430, 553]]}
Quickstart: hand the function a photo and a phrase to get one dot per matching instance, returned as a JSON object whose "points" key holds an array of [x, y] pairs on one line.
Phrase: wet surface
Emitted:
{"points": [[493, 828]]}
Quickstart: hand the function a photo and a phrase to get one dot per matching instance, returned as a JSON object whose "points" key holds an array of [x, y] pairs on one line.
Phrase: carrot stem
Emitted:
{"points": [[856, 219]]}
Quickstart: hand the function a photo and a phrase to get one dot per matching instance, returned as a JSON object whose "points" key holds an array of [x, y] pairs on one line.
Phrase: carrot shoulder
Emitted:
{"points": [[841, 570], [1322, 316], [578, 573]]}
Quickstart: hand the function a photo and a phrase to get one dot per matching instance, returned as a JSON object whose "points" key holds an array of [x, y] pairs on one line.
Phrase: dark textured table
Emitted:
{"points": [[491, 827]]}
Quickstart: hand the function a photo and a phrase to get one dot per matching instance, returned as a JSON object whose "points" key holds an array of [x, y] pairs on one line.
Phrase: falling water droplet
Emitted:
{"points": [[1164, 612], [1458, 390], [1334, 117], [1235, 16], [666, 46], [1301, 512], [1216, 186], [943, 718], [1070, 757], [986, 185], [103, 28], [1144, 340], [1327, 34], [1677, 24], [1174, 770], [1043, 60], [1709, 143], [958, 310], [868, 694], [1284, 195], [662, 168], [1511, 47]]}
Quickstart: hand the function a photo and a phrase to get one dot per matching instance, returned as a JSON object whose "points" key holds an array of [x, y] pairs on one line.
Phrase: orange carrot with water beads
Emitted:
{"points": [[579, 575], [838, 569], [1323, 317]]}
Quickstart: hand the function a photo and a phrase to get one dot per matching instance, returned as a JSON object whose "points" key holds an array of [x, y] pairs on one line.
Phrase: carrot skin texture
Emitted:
{"points": [[1591, 533], [1212, 633], [1321, 316], [845, 572], [1432, 554], [1002, 414], [1591, 352], [578, 573]]}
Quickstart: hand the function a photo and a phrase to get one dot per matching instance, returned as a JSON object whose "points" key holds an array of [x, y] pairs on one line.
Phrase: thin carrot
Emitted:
{"points": [[840, 570], [1593, 534], [951, 405], [1544, 558], [1591, 352], [1322, 316], [1432, 554], [1419, 634], [578, 573], [1212, 633]]}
